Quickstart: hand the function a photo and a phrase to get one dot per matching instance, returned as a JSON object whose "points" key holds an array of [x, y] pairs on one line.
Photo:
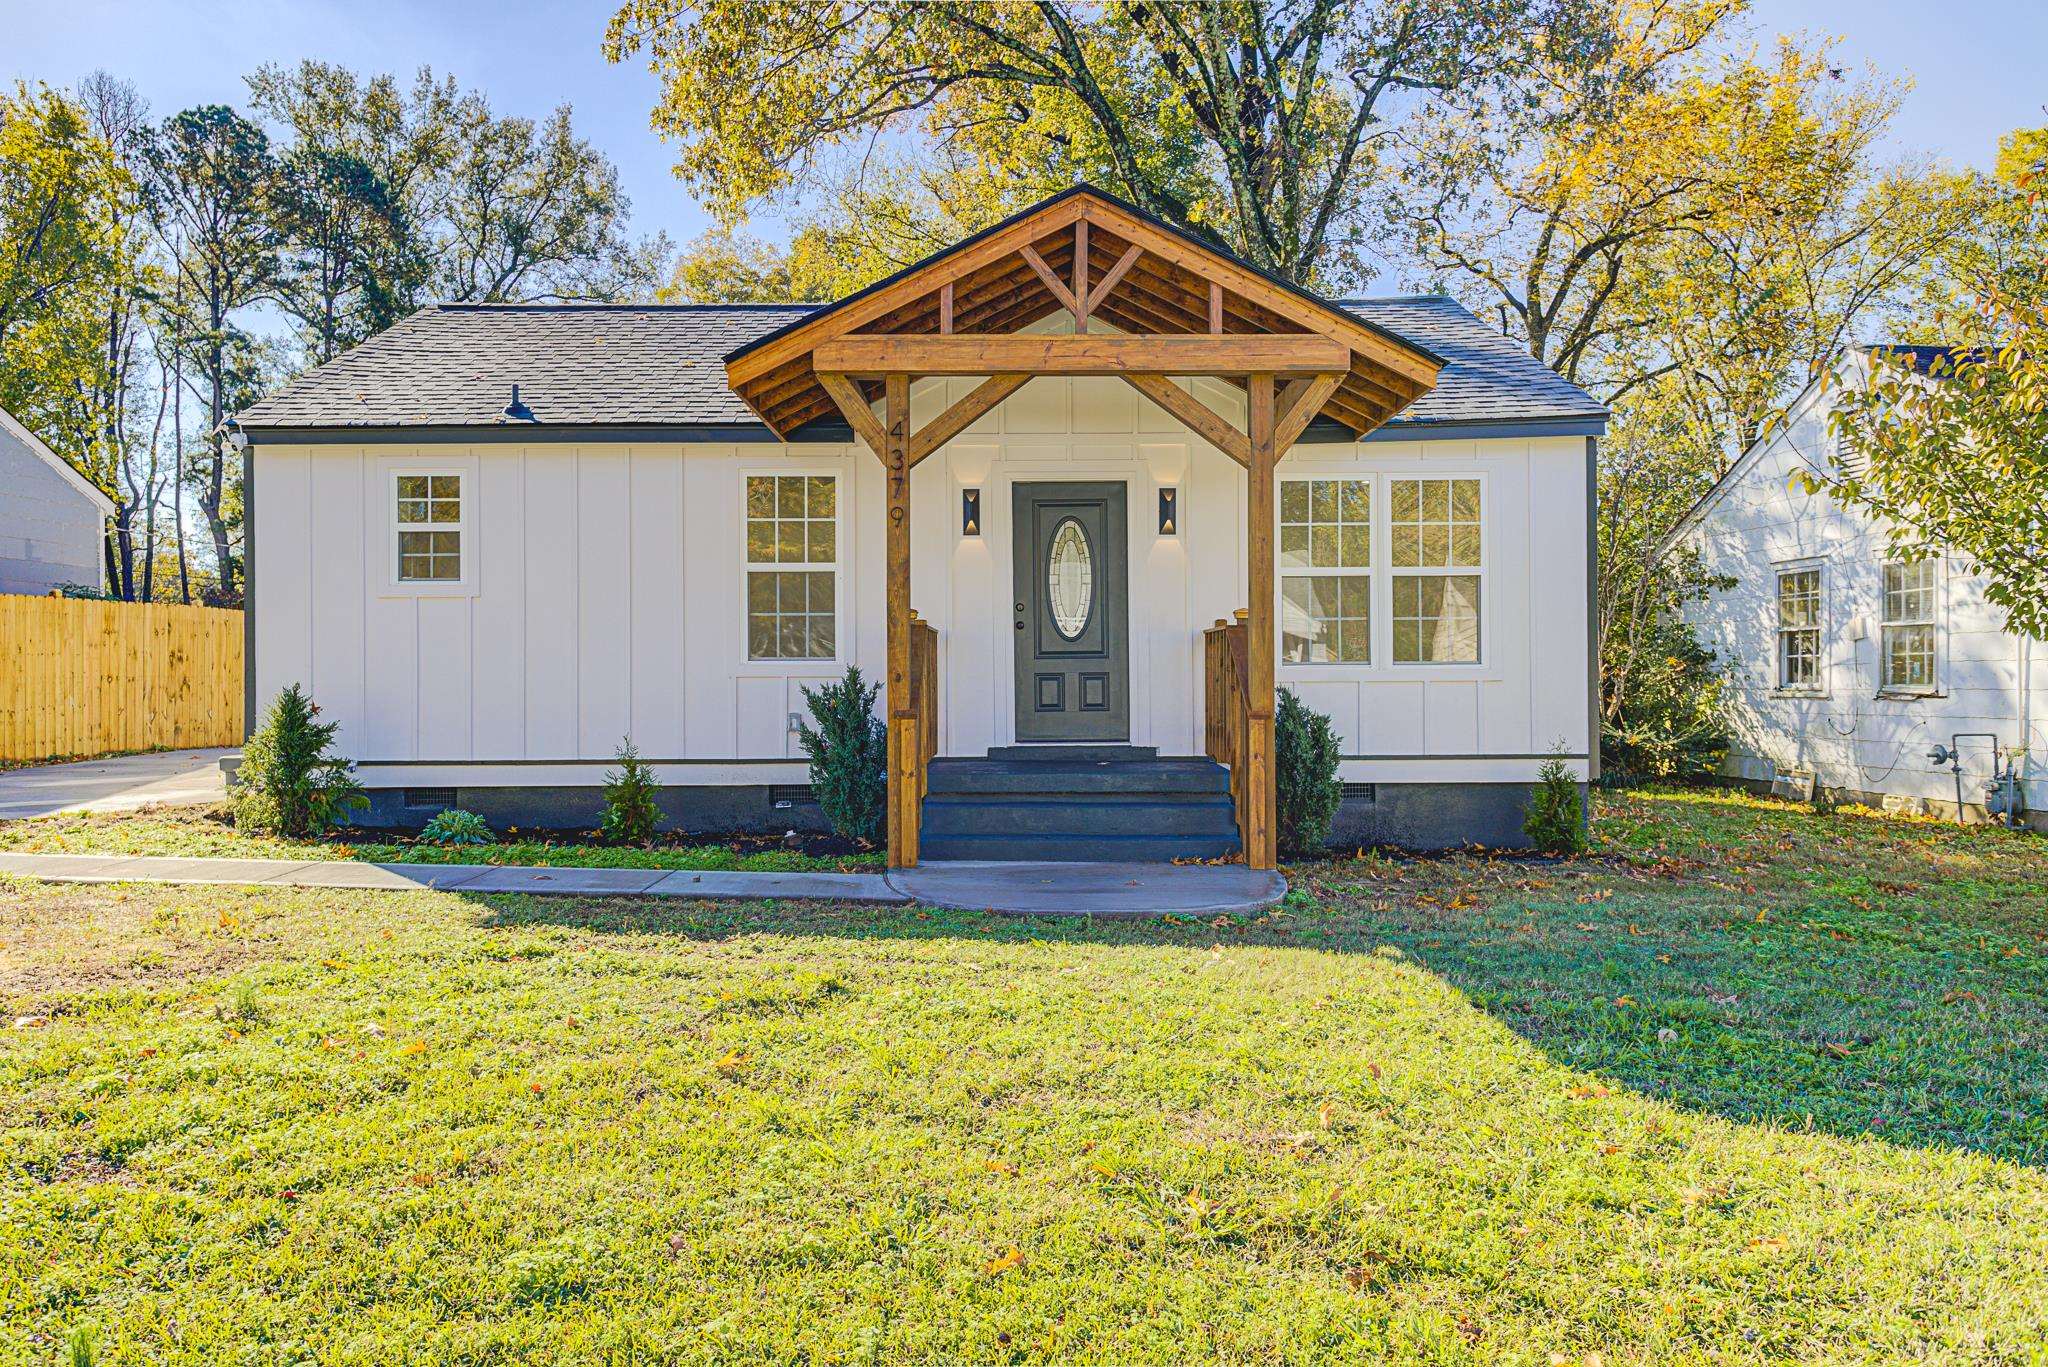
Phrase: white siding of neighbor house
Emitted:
{"points": [[603, 597], [51, 532], [1851, 736]]}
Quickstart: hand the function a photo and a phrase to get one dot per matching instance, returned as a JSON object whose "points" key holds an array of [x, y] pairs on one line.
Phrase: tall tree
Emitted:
{"points": [[63, 203], [1951, 447], [1285, 102], [355, 194], [210, 182]]}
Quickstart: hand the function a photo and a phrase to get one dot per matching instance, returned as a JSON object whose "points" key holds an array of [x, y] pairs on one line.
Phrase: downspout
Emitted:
{"points": [[238, 438], [1592, 610]]}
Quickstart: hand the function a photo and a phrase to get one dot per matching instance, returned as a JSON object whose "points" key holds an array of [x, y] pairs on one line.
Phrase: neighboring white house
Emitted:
{"points": [[53, 521], [1846, 665], [488, 590]]}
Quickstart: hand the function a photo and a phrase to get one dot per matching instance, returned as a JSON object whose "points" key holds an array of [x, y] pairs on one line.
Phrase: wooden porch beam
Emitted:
{"points": [[902, 746], [1299, 405], [853, 406], [1080, 290], [1204, 421], [1052, 281], [1260, 838], [1188, 354], [1110, 278], [955, 419]]}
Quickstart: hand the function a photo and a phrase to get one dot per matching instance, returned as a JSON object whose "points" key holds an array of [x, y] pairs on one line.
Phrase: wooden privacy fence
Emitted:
{"points": [[79, 677]]}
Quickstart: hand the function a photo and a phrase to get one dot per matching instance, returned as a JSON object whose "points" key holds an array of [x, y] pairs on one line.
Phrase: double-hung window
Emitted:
{"points": [[429, 520], [792, 567], [1436, 560], [1799, 630], [1325, 571], [1906, 639]]}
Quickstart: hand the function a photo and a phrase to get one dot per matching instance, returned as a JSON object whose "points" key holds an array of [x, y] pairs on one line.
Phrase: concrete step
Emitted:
{"points": [[1199, 815], [1074, 754], [1069, 778], [1094, 847]]}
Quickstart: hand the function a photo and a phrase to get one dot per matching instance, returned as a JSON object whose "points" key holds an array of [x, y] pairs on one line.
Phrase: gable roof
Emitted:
{"points": [[38, 448], [1084, 252], [645, 366]]}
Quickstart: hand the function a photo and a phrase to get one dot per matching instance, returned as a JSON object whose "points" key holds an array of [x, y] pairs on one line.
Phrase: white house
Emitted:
{"points": [[493, 541], [1847, 666], [53, 521]]}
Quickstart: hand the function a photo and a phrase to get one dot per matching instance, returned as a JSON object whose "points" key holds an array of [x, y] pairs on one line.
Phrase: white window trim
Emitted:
{"points": [[1457, 668], [1936, 622], [1822, 661], [784, 666], [466, 585], [1370, 571], [1382, 666]]}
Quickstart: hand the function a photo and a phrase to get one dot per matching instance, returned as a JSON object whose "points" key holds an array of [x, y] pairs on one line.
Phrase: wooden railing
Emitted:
{"points": [[1226, 711], [924, 697]]}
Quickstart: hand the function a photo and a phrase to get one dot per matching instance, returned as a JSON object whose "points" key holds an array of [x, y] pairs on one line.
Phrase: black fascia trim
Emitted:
{"points": [[511, 434], [1151, 219], [1489, 427]]}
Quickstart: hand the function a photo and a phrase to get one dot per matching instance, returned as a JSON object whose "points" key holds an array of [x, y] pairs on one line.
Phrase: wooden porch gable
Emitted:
{"points": [[1178, 308]]}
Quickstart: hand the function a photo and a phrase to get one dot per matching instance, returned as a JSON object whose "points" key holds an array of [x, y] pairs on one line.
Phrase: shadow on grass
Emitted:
{"points": [[1916, 1018]]}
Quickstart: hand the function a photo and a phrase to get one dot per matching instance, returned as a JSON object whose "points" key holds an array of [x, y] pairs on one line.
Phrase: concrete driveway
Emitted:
{"points": [[174, 777]]}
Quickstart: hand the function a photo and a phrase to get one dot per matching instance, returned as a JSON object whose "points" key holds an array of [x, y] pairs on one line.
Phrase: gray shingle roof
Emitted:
{"points": [[1486, 377], [662, 365]]}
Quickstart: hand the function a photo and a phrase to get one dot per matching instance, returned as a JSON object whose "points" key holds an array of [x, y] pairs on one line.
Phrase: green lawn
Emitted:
{"points": [[1754, 1086], [200, 832]]}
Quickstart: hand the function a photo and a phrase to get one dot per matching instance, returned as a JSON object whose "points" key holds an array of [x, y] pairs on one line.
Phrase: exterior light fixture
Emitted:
{"points": [[970, 512], [1169, 511]]}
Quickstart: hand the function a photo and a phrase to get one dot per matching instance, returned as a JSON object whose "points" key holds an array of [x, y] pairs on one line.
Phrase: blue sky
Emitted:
{"points": [[1975, 62]]}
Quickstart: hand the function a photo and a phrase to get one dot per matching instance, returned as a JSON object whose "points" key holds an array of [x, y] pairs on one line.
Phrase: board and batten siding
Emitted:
{"points": [[1849, 734], [603, 597]]}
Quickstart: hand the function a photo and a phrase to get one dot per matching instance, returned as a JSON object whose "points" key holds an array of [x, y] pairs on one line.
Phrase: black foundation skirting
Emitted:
{"points": [[1434, 816], [749, 809]]}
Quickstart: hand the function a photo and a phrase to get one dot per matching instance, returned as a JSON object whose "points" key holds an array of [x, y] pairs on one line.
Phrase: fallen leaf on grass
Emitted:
{"points": [[1003, 1262], [1324, 1112], [733, 1061], [417, 1047], [30, 1022], [1000, 1165], [1768, 1245], [1583, 1092]]}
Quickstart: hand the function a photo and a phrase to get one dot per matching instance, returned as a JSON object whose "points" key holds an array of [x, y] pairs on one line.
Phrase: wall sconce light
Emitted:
{"points": [[1169, 511], [970, 512]]}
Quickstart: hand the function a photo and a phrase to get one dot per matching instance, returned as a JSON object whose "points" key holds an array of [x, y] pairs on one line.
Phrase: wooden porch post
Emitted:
{"points": [[1260, 837], [903, 738]]}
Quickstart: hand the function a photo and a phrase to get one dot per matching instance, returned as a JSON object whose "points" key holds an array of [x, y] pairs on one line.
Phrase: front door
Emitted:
{"points": [[1072, 614]]}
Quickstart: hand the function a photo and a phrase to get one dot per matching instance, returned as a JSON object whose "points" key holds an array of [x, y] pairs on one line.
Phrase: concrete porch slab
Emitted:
{"points": [[831, 887], [1076, 889]]}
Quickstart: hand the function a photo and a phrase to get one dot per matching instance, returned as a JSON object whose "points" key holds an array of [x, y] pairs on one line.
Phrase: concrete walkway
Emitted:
{"points": [[1090, 889], [342, 873], [120, 784], [1108, 890]]}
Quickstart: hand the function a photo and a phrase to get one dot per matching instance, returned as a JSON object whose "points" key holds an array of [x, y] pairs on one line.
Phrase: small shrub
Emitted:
{"points": [[849, 752], [630, 812], [1556, 820], [457, 827], [289, 782], [1305, 754]]}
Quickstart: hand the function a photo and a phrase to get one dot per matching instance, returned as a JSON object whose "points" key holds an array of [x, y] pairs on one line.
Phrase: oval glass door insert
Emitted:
{"points": [[1070, 577]]}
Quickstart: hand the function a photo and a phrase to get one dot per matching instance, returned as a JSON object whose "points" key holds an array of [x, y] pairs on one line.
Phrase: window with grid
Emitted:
{"points": [[429, 529], [1906, 639], [792, 567], [1436, 559], [1325, 571], [1799, 629]]}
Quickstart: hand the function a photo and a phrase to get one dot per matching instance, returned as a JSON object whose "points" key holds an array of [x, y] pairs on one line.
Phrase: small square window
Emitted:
{"points": [[429, 524]]}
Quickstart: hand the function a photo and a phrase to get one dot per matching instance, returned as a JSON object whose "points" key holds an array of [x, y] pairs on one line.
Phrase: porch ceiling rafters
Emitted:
{"points": [[1178, 307]]}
